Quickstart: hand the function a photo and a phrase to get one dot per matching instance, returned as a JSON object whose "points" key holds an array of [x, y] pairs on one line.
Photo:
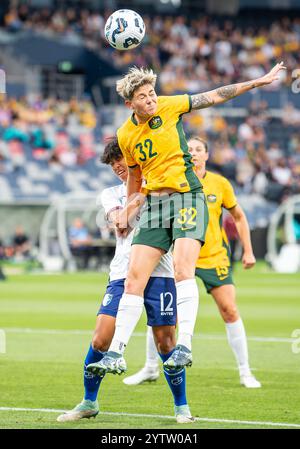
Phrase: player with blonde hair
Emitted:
{"points": [[214, 267], [153, 143]]}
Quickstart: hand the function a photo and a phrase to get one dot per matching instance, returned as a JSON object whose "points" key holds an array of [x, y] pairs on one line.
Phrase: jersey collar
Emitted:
{"points": [[133, 119]]}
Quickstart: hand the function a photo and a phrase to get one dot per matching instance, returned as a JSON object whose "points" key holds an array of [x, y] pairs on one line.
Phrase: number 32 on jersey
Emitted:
{"points": [[146, 150]]}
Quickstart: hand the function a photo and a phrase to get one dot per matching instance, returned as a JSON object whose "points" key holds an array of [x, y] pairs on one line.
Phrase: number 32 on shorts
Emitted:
{"points": [[187, 218]]}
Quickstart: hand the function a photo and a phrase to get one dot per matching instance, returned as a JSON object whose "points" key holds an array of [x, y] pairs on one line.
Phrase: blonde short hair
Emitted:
{"points": [[135, 78]]}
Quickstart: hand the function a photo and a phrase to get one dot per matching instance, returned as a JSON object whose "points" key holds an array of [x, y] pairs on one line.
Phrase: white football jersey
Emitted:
{"points": [[115, 198]]}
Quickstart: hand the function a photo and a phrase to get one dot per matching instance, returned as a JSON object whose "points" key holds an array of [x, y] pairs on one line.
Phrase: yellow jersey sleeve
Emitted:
{"points": [[130, 162], [159, 147], [178, 104], [229, 198]]}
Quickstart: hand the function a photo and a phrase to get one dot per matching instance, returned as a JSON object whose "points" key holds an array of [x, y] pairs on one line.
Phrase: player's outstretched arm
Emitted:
{"points": [[242, 226], [225, 93]]}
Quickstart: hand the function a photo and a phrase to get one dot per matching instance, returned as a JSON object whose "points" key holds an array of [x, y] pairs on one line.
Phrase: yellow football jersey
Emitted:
{"points": [[159, 147], [219, 193]]}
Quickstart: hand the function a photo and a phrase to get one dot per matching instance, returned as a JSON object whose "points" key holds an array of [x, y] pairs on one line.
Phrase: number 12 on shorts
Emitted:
{"points": [[166, 303]]}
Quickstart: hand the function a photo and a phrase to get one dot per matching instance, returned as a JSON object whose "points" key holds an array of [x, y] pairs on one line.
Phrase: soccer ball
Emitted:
{"points": [[124, 29]]}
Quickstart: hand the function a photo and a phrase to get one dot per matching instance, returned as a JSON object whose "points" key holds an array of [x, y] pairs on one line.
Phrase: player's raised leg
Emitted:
{"points": [[143, 260], [190, 215], [186, 252], [226, 302], [150, 371]]}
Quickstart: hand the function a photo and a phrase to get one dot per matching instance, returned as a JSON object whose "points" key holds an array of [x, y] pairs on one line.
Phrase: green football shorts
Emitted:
{"points": [[215, 277], [166, 218]]}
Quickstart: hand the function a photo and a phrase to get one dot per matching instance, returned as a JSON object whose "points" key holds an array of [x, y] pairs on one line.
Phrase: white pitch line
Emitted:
{"points": [[17, 330], [144, 415]]}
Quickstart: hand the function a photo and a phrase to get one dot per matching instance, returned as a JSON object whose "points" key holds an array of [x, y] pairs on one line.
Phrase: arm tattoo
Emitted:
{"points": [[250, 84], [207, 99], [227, 92], [200, 101], [231, 91]]}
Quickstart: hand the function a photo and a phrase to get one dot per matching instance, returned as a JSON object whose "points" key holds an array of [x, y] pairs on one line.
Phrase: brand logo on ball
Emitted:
{"points": [[124, 29], [155, 122], [211, 198], [107, 299]]}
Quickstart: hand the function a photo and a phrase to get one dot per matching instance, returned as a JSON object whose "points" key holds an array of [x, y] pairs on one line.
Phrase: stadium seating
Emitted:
{"points": [[36, 181], [32, 174]]}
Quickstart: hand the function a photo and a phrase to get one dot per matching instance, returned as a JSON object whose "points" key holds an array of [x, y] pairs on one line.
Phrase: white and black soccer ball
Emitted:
{"points": [[124, 29]]}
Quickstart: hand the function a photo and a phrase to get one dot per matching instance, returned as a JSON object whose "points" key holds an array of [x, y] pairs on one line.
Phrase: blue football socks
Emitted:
{"points": [[176, 381], [91, 381]]}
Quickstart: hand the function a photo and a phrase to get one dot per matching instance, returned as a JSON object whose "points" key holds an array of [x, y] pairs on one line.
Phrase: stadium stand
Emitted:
{"points": [[215, 49], [50, 146], [53, 150]]}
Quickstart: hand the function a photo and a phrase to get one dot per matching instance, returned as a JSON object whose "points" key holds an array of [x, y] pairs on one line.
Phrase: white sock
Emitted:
{"points": [[129, 313], [238, 342], [151, 351], [187, 308]]}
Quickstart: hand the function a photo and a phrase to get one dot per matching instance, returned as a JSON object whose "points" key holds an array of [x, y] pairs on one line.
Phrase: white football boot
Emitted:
{"points": [[86, 409], [146, 374], [183, 414], [249, 381]]}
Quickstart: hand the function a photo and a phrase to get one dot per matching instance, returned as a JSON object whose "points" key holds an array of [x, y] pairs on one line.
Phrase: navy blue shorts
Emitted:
{"points": [[160, 300]]}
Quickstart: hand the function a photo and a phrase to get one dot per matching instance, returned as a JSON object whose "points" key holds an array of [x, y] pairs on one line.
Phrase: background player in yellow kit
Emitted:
{"points": [[213, 267], [154, 146]]}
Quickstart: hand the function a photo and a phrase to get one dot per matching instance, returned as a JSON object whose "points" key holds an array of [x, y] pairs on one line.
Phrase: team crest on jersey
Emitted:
{"points": [[107, 299], [211, 198], [155, 122]]}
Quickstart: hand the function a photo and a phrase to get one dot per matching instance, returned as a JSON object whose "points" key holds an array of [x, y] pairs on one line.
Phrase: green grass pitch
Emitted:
{"points": [[49, 319]]}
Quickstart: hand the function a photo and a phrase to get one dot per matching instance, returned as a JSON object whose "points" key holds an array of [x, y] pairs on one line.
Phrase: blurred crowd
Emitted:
{"points": [[191, 54], [63, 133], [258, 153]]}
